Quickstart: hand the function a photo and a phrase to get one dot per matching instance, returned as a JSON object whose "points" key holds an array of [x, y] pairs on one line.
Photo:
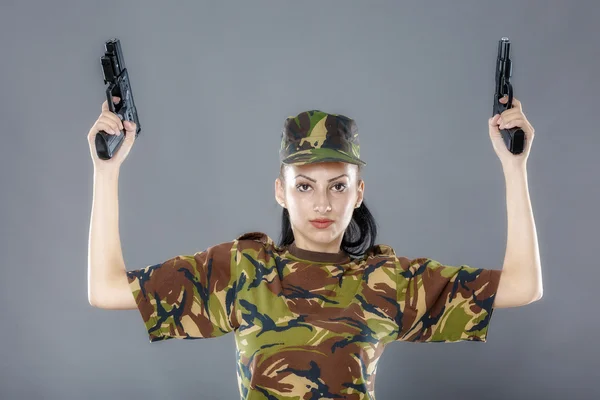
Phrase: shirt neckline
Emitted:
{"points": [[340, 257]]}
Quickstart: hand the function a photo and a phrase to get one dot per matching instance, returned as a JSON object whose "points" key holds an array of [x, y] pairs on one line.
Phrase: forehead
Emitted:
{"points": [[324, 169]]}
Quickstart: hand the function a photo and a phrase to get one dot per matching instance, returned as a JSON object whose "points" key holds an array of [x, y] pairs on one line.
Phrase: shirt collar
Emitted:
{"points": [[317, 256]]}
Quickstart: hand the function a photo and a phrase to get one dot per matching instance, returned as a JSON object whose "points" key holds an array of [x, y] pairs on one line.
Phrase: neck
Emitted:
{"points": [[318, 256]]}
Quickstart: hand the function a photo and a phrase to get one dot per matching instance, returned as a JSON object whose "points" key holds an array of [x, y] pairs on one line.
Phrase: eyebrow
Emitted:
{"points": [[332, 179]]}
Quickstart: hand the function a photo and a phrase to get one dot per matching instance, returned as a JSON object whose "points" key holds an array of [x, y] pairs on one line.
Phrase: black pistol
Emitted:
{"points": [[514, 138], [117, 78]]}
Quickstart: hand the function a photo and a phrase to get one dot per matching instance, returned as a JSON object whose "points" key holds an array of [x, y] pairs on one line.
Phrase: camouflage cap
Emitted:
{"points": [[316, 136]]}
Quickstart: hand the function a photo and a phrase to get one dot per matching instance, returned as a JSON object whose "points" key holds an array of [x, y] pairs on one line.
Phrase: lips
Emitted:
{"points": [[321, 225], [321, 220]]}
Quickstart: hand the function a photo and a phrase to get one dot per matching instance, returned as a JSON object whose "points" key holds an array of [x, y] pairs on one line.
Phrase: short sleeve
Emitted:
{"points": [[444, 303], [188, 296]]}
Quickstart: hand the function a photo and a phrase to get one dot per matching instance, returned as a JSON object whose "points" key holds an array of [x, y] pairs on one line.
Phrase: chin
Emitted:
{"points": [[322, 233]]}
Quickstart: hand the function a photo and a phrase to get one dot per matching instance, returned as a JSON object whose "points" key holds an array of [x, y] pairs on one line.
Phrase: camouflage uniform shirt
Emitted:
{"points": [[311, 325]]}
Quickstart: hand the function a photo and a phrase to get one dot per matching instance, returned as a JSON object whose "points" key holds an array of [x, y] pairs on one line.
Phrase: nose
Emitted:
{"points": [[322, 203]]}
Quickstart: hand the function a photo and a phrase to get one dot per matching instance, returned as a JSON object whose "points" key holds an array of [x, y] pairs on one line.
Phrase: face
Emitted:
{"points": [[315, 191]]}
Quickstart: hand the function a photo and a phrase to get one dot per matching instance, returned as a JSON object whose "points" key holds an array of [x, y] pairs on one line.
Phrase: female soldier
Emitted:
{"points": [[312, 314]]}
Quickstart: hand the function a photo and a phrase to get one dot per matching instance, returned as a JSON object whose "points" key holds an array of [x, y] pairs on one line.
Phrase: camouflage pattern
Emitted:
{"points": [[306, 329], [316, 136]]}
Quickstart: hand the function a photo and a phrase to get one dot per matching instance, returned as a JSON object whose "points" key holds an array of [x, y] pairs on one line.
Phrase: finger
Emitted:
{"points": [[509, 114], [517, 104], [131, 132], [512, 123], [129, 126], [104, 126], [494, 119], [493, 122], [114, 118], [112, 127], [505, 119], [115, 100], [520, 123]]}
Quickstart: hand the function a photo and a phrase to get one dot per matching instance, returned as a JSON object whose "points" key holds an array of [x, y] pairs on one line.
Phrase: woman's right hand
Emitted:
{"points": [[111, 123]]}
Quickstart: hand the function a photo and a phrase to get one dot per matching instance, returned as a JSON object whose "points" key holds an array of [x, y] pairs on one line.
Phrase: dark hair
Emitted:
{"points": [[360, 234]]}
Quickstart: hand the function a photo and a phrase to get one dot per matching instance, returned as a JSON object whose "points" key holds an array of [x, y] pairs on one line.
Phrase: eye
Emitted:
{"points": [[300, 185], [335, 185], [343, 186]]}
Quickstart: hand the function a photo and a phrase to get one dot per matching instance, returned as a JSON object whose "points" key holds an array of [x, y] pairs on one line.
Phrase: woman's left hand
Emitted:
{"points": [[513, 117]]}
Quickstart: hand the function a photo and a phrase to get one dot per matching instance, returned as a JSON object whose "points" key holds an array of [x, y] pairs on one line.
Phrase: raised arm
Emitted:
{"points": [[107, 280]]}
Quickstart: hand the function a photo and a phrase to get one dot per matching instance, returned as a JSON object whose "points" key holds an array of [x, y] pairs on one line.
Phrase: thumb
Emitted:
{"points": [[130, 129], [128, 141], [129, 126], [493, 124]]}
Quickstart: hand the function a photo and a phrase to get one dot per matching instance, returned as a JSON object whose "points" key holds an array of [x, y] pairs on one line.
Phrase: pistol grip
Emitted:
{"points": [[107, 145], [514, 138]]}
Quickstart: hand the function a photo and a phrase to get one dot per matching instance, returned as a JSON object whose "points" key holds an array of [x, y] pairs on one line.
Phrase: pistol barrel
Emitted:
{"points": [[112, 61], [503, 65]]}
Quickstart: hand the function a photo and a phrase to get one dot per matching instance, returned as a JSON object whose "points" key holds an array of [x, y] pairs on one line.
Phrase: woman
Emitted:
{"points": [[312, 314]]}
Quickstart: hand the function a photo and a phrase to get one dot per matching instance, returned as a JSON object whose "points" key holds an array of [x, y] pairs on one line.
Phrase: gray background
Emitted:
{"points": [[213, 83]]}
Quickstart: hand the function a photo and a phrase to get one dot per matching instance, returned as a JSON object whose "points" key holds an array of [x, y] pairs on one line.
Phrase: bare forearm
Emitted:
{"points": [[106, 266], [522, 259]]}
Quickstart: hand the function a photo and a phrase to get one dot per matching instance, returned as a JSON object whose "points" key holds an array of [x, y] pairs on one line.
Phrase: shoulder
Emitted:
{"points": [[254, 241], [257, 236], [256, 246], [388, 252], [380, 250], [260, 237], [379, 253]]}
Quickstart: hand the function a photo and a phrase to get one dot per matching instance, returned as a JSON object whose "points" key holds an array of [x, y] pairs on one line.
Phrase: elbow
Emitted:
{"points": [[534, 298], [94, 301], [538, 292]]}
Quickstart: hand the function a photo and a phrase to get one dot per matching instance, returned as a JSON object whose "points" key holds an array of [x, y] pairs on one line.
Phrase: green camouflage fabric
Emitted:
{"points": [[310, 329], [316, 136]]}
